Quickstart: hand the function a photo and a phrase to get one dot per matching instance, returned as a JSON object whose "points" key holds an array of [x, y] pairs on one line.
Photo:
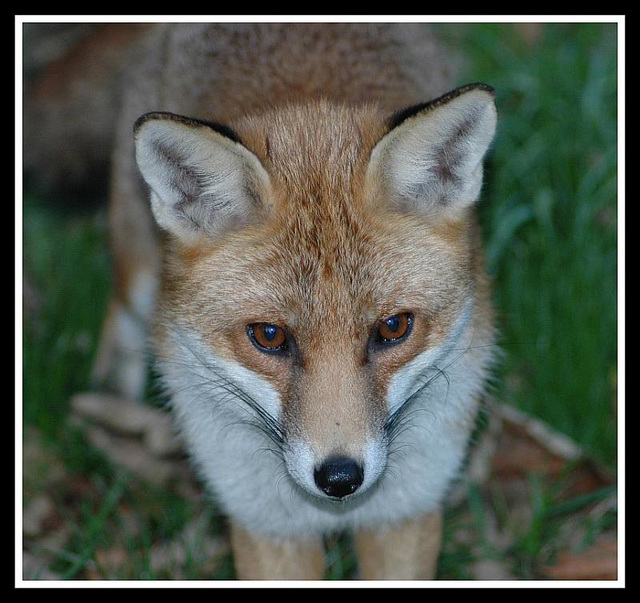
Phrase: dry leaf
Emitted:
{"points": [[598, 562], [527, 445], [38, 516], [129, 418], [133, 456], [489, 569]]}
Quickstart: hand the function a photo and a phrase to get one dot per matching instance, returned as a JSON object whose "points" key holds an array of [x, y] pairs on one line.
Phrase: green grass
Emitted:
{"points": [[66, 263], [549, 213]]}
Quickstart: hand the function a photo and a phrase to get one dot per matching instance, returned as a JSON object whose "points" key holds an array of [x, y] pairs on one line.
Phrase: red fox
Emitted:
{"points": [[294, 204]]}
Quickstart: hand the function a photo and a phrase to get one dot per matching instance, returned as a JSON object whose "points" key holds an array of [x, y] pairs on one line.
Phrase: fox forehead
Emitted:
{"points": [[313, 150]]}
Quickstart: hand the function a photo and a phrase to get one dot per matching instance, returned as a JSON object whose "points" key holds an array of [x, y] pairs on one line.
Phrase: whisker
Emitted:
{"points": [[214, 384], [400, 420]]}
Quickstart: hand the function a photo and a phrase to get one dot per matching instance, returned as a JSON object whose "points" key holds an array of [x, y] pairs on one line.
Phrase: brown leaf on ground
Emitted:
{"points": [[109, 564], [137, 437], [192, 545], [490, 569], [135, 457], [42, 468], [598, 562], [527, 445], [35, 568], [129, 418], [39, 517]]}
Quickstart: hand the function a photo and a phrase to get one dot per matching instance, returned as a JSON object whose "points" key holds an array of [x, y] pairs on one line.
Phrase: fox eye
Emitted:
{"points": [[267, 337], [394, 329]]}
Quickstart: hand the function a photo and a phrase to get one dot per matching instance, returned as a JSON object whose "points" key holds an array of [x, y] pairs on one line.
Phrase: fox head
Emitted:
{"points": [[319, 257]]}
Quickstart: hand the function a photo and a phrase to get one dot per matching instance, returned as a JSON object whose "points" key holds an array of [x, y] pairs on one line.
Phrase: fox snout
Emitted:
{"points": [[337, 475], [334, 424]]}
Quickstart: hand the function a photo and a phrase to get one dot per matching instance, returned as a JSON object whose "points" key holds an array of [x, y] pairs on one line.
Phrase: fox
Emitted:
{"points": [[293, 226]]}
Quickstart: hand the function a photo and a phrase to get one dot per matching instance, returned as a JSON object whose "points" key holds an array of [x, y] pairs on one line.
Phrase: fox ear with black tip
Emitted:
{"points": [[202, 179], [431, 158]]}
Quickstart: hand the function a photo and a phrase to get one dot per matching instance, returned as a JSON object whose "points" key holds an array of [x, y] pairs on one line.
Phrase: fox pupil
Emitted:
{"points": [[393, 323], [270, 331]]}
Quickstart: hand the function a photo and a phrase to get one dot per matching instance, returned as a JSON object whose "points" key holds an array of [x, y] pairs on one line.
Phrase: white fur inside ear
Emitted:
{"points": [[433, 159], [200, 180]]}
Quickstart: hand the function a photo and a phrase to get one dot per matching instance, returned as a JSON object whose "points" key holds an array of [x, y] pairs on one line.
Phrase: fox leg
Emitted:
{"points": [[121, 362], [404, 551], [260, 558]]}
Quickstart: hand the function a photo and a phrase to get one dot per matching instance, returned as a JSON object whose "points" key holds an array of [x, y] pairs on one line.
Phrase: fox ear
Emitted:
{"points": [[202, 179], [431, 159]]}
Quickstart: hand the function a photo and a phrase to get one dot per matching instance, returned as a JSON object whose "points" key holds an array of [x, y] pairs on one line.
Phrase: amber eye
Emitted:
{"points": [[267, 337], [394, 328]]}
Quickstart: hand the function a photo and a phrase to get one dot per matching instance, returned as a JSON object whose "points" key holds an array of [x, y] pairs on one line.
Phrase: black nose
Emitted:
{"points": [[339, 477]]}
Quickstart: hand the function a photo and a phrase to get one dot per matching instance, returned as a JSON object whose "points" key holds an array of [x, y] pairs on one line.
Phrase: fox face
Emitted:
{"points": [[321, 262]]}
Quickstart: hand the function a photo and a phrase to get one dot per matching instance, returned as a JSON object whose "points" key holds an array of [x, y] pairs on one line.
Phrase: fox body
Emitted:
{"points": [[304, 234]]}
